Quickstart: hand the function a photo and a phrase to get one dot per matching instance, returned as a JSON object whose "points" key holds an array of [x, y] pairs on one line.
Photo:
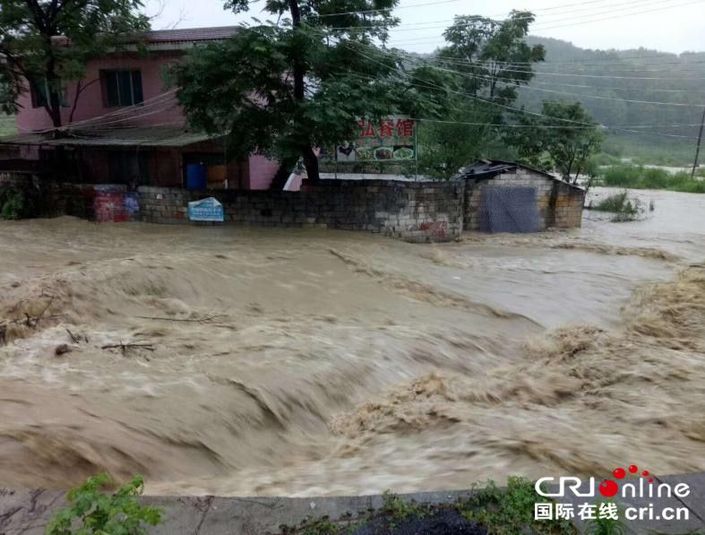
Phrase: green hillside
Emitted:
{"points": [[604, 81]]}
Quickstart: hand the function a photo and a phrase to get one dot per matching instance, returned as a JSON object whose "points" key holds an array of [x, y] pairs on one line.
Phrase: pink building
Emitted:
{"points": [[124, 125]]}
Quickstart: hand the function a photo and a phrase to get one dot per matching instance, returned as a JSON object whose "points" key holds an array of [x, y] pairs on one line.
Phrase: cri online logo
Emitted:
{"points": [[621, 484], [609, 487]]}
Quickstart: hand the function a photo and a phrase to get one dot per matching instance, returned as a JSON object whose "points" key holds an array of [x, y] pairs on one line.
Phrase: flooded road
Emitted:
{"points": [[239, 361]]}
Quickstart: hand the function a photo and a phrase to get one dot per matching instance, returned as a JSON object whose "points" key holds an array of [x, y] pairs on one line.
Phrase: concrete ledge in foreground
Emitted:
{"points": [[26, 512]]}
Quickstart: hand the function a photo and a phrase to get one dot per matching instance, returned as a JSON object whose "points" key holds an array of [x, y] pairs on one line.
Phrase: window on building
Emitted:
{"points": [[39, 91], [121, 88]]}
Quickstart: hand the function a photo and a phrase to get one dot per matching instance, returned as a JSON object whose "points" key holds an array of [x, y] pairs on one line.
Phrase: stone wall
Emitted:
{"points": [[413, 211], [418, 212], [77, 200], [567, 205], [559, 204]]}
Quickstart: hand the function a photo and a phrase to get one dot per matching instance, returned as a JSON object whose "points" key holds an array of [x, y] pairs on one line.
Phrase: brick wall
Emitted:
{"points": [[419, 212], [568, 203], [413, 211], [560, 205]]}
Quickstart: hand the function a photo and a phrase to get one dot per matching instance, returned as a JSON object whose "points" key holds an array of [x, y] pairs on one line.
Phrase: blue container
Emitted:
{"points": [[196, 176]]}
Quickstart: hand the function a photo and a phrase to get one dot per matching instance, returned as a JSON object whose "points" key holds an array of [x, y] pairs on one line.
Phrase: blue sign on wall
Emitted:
{"points": [[206, 210]]}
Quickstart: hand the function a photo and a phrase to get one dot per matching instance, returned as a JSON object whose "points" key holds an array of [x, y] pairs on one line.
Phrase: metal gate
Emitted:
{"points": [[509, 209]]}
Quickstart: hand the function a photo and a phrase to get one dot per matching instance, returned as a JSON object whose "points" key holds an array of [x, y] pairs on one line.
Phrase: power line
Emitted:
{"points": [[597, 97], [552, 126], [519, 110], [614, 88], [546, 73], [165, 107], [590, 21], [607, 76], [386, 10], [577, 125], [596, 62], [612, 10], [134, 108], [127, 110], [531, 16]]}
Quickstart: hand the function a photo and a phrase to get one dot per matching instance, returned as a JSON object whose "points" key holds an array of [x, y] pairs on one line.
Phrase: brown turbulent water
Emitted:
{"points": [[317, 363]]}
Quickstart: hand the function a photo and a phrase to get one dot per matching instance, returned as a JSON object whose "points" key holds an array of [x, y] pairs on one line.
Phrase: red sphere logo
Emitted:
{"points": [[608, 488]]}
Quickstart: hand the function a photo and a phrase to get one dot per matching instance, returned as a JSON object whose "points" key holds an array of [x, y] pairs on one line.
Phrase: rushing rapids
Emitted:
{"points": [[244, 361]]}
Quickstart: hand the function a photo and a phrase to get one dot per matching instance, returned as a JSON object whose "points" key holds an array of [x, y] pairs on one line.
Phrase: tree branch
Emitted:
{"points": [[80, 88]]}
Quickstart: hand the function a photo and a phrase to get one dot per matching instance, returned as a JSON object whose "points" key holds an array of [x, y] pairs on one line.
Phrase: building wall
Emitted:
{"points": [[568, 204], [90, 103], [157, 109], [162, 167], [411, 211], [262, 171], [559, 204]]}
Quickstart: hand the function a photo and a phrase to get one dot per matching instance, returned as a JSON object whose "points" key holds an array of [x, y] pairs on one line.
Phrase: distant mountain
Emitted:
{"points": [[606, 80]]}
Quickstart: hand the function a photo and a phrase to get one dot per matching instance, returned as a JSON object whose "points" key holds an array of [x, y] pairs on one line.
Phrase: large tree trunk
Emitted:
{"points": [[286, 167], [53, 81], [55, 109], [310, 158], [311, 164]]}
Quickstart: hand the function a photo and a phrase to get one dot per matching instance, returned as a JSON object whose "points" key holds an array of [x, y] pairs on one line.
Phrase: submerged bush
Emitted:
{"points": [[624, 208], [16, 203]]}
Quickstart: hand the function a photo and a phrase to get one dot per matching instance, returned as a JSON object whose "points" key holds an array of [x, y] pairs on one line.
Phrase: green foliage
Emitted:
{"points": [[605, 526], [284, 89], [510, 511], [17, 203], [91, 511], [644, 151], [447, 147], [568, 149], [7, 124], [624, 208], [611, 75], [48, 42], [486, 51], [314, 526], [12, 204], [638, 177], [507, 511], [397, 508], [476, 78]]}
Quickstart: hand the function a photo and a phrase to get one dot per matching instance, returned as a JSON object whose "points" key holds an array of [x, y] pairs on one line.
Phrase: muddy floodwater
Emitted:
{"points": [[242, 361]]}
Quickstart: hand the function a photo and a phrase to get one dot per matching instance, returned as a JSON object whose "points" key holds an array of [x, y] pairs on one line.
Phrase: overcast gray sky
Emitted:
{"points": [[669, 25]]}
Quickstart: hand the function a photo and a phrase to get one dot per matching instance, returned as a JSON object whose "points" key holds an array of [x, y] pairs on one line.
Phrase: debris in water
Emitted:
{"points": [[62, 349]]}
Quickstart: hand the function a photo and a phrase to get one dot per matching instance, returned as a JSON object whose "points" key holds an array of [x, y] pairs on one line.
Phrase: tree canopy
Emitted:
{"points": [[480, 82], [486, 52], [47, 43], [566, 148], [284, 88]]}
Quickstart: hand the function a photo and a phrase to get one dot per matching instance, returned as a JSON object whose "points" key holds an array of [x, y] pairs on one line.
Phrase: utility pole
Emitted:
{"points": [[697, 151]]}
